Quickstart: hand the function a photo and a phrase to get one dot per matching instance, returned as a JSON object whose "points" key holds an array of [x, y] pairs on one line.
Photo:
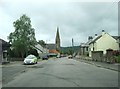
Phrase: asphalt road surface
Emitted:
{"points": [[64, 72]]}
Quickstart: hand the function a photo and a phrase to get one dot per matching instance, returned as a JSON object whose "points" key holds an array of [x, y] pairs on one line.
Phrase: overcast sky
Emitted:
{"points": [[76, 20]]}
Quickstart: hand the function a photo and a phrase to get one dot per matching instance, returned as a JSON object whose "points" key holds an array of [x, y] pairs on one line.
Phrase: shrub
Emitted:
{"points": [[117, 58]]}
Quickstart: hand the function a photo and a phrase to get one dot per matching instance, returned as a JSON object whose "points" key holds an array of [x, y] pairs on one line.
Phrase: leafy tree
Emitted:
{"points": [[23, 38], [42, 43], [33, 52]]}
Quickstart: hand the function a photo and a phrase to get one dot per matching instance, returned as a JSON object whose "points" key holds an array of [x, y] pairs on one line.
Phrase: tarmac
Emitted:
{"points": [[113, 66]]}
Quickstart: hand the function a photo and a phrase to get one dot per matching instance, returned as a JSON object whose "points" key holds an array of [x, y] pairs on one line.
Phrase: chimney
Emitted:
{"points": [[103, 32], [95, 34], [90, 38]]}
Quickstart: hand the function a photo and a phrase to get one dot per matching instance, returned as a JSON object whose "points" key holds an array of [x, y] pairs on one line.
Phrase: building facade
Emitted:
{"points": [[103, 42], [84, 47], [3, 51]]}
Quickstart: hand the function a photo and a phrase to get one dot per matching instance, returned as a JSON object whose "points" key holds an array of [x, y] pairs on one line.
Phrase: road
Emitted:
{"points": [[63, 72], [9, 72]]}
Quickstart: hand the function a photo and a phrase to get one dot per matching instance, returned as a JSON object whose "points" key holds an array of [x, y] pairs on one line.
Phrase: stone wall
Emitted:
{"points": [[109, 56], [97, 55]]}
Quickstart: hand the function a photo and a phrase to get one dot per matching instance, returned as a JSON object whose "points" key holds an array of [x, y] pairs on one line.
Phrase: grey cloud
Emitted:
{"points": [[76, 20]]}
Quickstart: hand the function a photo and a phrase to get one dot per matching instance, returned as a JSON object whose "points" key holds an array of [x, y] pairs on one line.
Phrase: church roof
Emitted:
{"points": [[50, 46], [53, 51], [57, 34]]}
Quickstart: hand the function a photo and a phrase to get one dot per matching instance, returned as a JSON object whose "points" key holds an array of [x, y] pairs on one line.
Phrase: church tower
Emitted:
{"points": [[57, 40]]}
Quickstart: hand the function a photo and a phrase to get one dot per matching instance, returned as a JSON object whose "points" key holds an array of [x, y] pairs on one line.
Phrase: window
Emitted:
{"points": [[86, 48]]}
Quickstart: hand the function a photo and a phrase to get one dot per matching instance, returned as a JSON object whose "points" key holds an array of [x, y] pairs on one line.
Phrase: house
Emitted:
{"points": [[85, 46], [3, 51], [103, 42], [41, 50], [84, 49]]}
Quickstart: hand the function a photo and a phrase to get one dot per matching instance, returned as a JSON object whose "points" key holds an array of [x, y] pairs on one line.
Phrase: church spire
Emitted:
{"points": [[57, 40]]}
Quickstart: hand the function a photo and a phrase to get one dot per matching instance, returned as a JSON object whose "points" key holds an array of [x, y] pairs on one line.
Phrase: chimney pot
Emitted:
{"points": [[103, 30], [90, 38]]}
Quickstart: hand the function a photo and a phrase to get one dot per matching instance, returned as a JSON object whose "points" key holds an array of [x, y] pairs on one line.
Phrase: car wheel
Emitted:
{"points": [[24, 64]]}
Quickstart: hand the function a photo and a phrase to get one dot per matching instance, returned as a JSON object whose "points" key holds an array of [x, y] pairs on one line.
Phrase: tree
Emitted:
{"points": [[33, 52], [23, 37], [42, 43]]}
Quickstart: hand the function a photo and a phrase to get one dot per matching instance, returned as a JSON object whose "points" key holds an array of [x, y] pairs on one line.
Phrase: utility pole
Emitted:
{"points": [[72, 47]]}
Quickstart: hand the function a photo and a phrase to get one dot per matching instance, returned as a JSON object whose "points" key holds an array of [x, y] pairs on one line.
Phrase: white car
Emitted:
{"points": [[30, 59], [70, 57]]}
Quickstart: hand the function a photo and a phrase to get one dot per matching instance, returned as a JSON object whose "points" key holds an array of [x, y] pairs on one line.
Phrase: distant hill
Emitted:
{"points": [[69, 50]]}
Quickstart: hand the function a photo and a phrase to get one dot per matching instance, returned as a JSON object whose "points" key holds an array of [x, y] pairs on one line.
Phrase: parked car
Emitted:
{"points": [[45, 57], [58, 56], [30, 59], [62, 55], [70, 56]]}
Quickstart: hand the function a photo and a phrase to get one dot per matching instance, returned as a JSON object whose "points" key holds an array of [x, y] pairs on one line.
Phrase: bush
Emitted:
{"points": [[116, 52], [117, 58]]}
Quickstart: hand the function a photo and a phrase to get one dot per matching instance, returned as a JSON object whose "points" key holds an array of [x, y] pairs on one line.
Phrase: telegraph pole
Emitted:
{"points": [[72, 47]]}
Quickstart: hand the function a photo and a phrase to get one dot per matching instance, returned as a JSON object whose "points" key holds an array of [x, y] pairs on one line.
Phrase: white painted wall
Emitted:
{"points": [[90, 49], [107, 42]]}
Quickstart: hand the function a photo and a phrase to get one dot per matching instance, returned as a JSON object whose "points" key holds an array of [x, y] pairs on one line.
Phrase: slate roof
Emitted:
{"points": [[94, 39], [116, 37], [84, 45], [53, 51], [5, 45], [51, 46]]}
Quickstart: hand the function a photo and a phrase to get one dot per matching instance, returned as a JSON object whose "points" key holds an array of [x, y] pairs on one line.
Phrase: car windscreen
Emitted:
{"points": [[30, 57]]}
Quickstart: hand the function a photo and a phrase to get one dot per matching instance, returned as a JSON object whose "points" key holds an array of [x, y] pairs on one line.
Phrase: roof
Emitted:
{"points": [[38, 47], [5, 45], [116, 37], [53, 51], [84, 45], [96, 38], [50, 46]]}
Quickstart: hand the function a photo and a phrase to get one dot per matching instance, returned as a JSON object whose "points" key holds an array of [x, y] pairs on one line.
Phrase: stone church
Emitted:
{"points": [[57, 40], [55, 47]]}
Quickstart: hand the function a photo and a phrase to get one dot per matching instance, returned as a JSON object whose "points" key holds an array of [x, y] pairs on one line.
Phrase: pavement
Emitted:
{"points": [[114, 66]]}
